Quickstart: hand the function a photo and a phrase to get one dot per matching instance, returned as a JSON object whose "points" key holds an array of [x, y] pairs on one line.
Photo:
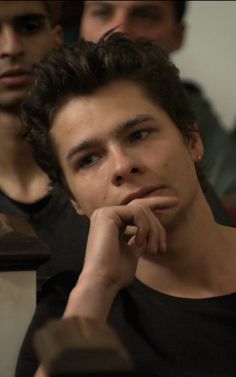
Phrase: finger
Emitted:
{"points": [[137, 250], [143, 225], [153, 234], [147, 230], [156, 236], [154, 204], [140, 230], [157, 202], [129, 232], [161, 233]]}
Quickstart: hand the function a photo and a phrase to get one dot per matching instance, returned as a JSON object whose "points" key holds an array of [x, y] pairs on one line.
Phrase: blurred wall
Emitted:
{"points": [[209, 54]]}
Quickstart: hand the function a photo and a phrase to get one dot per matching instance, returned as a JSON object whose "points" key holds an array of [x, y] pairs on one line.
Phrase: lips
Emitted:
{"points": [[15, 77], [142, 193]]}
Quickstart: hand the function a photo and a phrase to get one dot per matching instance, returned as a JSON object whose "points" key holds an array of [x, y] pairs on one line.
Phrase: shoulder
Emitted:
{"points": [[61, 211]]}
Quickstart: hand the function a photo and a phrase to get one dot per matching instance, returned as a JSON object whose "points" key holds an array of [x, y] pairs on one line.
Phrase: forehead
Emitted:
{"points": [[96, 120], [13, 9], [102, 112], [129, 5], [115, 93]]}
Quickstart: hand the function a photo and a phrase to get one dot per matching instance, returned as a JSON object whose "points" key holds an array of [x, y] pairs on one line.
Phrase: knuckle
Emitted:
{"points": [[98, 213], [139, 207]]}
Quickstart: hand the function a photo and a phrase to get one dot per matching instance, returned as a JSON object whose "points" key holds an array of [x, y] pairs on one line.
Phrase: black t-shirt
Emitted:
{"points": [[57, 224], [166, 336]]}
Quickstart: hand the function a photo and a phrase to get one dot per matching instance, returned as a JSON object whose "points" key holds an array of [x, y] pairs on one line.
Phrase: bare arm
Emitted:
{"points": [[111, 260]]}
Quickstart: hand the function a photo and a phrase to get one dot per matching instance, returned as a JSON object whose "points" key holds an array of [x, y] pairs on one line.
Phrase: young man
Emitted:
{"points": [[28, 31], [163, 22], [118, 134]]}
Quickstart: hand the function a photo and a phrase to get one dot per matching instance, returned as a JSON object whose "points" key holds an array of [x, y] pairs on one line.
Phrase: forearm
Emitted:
{"points": [[91, 298]]}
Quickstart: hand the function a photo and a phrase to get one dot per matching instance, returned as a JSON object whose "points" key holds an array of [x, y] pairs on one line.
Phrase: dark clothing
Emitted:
{"points": [[220, 214], [219, 156], [56, 223], [166, 336]]}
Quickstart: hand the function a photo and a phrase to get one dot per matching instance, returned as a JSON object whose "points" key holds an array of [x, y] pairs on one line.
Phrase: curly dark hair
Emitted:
{"points": [[82, 68]]}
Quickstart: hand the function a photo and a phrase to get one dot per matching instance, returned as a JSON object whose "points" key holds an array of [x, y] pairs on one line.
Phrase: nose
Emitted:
{"points": [[124, 166], [10, 43], [125, 27], [120, 22]]}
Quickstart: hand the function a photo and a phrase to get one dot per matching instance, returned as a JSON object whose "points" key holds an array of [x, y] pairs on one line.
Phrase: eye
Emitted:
{"points": [[147, 15], [29, 26], [87, 161], [139, 135], [102, 13]]}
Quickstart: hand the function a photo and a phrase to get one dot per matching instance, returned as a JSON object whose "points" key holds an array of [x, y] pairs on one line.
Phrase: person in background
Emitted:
{"points": [[163, 22], [111, 124], [28, 31]]}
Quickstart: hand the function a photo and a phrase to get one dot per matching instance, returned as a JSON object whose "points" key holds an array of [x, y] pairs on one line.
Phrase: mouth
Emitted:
{"points": [[16, 77], [143, 193]]}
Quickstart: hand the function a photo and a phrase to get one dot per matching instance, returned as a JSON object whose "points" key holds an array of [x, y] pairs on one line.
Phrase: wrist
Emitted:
{"points": [[92, 297]]}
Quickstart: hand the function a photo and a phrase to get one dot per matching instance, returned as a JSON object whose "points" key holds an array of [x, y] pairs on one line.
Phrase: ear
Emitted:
{"points": [[77, 207], [179, 36], [195, 144], [58, 35]]}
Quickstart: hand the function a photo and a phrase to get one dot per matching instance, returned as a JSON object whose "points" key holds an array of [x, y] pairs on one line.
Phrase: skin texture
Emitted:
{"points": [[153, 19], [118, 150], [26, 35], [117, 158], [125, 145], [131, 162]]}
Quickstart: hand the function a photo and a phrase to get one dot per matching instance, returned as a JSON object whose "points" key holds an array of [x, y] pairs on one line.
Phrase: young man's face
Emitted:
{"points": [[26, 35], [116, 145], [153, 19]]}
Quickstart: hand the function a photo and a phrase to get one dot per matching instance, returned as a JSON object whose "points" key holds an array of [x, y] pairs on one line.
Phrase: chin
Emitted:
{"points": [[13, 100], [166, 217]]}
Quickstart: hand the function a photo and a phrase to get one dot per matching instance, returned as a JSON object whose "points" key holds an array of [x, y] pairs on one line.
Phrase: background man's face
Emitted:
{"points": [[153, 19], [26, 35]]}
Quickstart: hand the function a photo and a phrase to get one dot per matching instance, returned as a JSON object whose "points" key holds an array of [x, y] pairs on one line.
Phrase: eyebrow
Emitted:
{"points": [[121, 128], [26, 16], [32, 15], [140, 3], [88, 3]]}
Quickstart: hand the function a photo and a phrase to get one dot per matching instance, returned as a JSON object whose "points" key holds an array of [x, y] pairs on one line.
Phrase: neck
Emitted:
{"points": [[196, 263], [20, 178]]}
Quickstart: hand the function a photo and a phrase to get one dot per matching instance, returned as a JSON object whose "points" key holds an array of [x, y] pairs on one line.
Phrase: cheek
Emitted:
{"points": [[45, 42], [40, 52], [90, 196], [90, 30], [163, 37]]}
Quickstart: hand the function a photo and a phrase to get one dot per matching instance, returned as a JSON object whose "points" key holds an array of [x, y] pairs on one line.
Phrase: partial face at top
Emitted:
{"points": [[26, 35], [153, 19], [116, 145]]}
